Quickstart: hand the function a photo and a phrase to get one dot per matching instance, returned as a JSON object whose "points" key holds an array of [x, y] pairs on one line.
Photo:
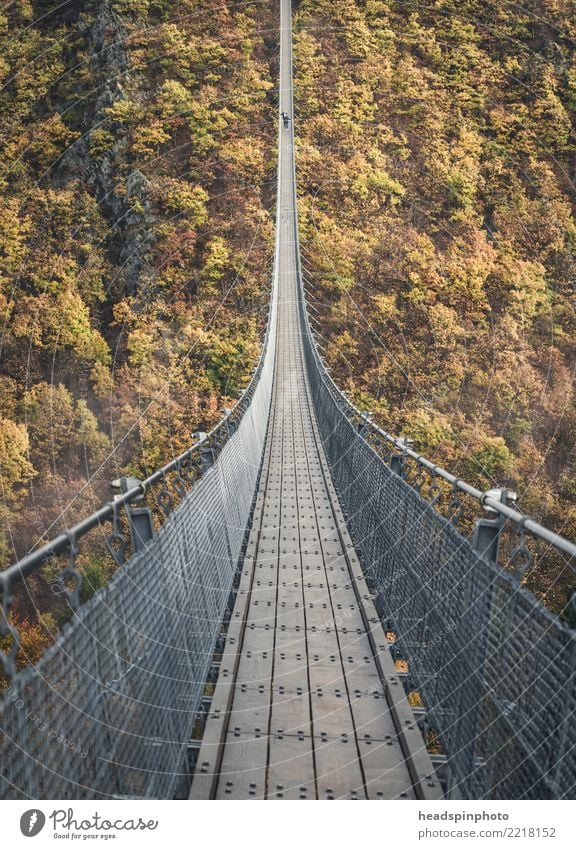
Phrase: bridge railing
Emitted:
{"points": [[109, 708], [493, 669]]}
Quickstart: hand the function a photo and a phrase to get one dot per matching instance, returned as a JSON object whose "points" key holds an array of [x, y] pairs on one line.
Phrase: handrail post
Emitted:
{"points": [[364, 424], [139, 518], [487, 532], [206, 451], [398, 459]]}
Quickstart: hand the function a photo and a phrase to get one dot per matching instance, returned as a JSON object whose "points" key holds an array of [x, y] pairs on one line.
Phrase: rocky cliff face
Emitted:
{"points": [[123, 200]]}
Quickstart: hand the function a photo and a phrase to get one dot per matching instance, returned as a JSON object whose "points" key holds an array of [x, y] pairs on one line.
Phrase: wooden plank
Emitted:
{"points": [[250, 709], [332, 713], [385, 770], [291, 773], [327, 674], [290, 711], [372, 717], [243, 771], [338, 774]]}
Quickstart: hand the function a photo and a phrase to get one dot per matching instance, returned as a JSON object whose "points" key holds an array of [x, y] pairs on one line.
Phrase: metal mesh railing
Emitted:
{"points": [[495, 670], [108, 710]]}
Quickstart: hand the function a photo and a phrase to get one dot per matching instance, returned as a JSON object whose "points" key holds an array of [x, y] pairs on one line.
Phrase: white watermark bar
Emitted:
{"points": [[171, 825]]}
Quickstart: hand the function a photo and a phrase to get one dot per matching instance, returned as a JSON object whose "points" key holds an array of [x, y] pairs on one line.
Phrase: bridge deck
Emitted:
{"points": [[307, 705]]}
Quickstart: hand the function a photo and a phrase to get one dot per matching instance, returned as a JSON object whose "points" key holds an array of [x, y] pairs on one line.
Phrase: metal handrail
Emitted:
{"points": [[523, 520], [31, 562], [68, 539]]}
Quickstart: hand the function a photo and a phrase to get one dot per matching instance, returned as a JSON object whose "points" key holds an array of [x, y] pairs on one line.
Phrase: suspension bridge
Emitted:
{"points": [[306, 623]]}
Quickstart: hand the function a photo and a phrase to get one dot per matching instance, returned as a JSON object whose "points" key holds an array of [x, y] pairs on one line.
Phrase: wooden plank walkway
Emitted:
{"points": [[308, 704]]}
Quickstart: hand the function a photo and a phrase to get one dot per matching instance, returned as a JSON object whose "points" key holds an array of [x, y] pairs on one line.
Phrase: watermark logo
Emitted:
{"points": [[32, 822]]}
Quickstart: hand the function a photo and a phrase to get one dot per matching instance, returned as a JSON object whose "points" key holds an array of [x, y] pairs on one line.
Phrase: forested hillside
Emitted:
{"points": [[136, 173], [437, 174], [437, 167]]}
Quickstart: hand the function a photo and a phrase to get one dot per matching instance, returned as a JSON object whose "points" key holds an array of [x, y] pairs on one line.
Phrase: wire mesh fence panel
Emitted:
{"points": [[495, 670], [108, 710]]}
